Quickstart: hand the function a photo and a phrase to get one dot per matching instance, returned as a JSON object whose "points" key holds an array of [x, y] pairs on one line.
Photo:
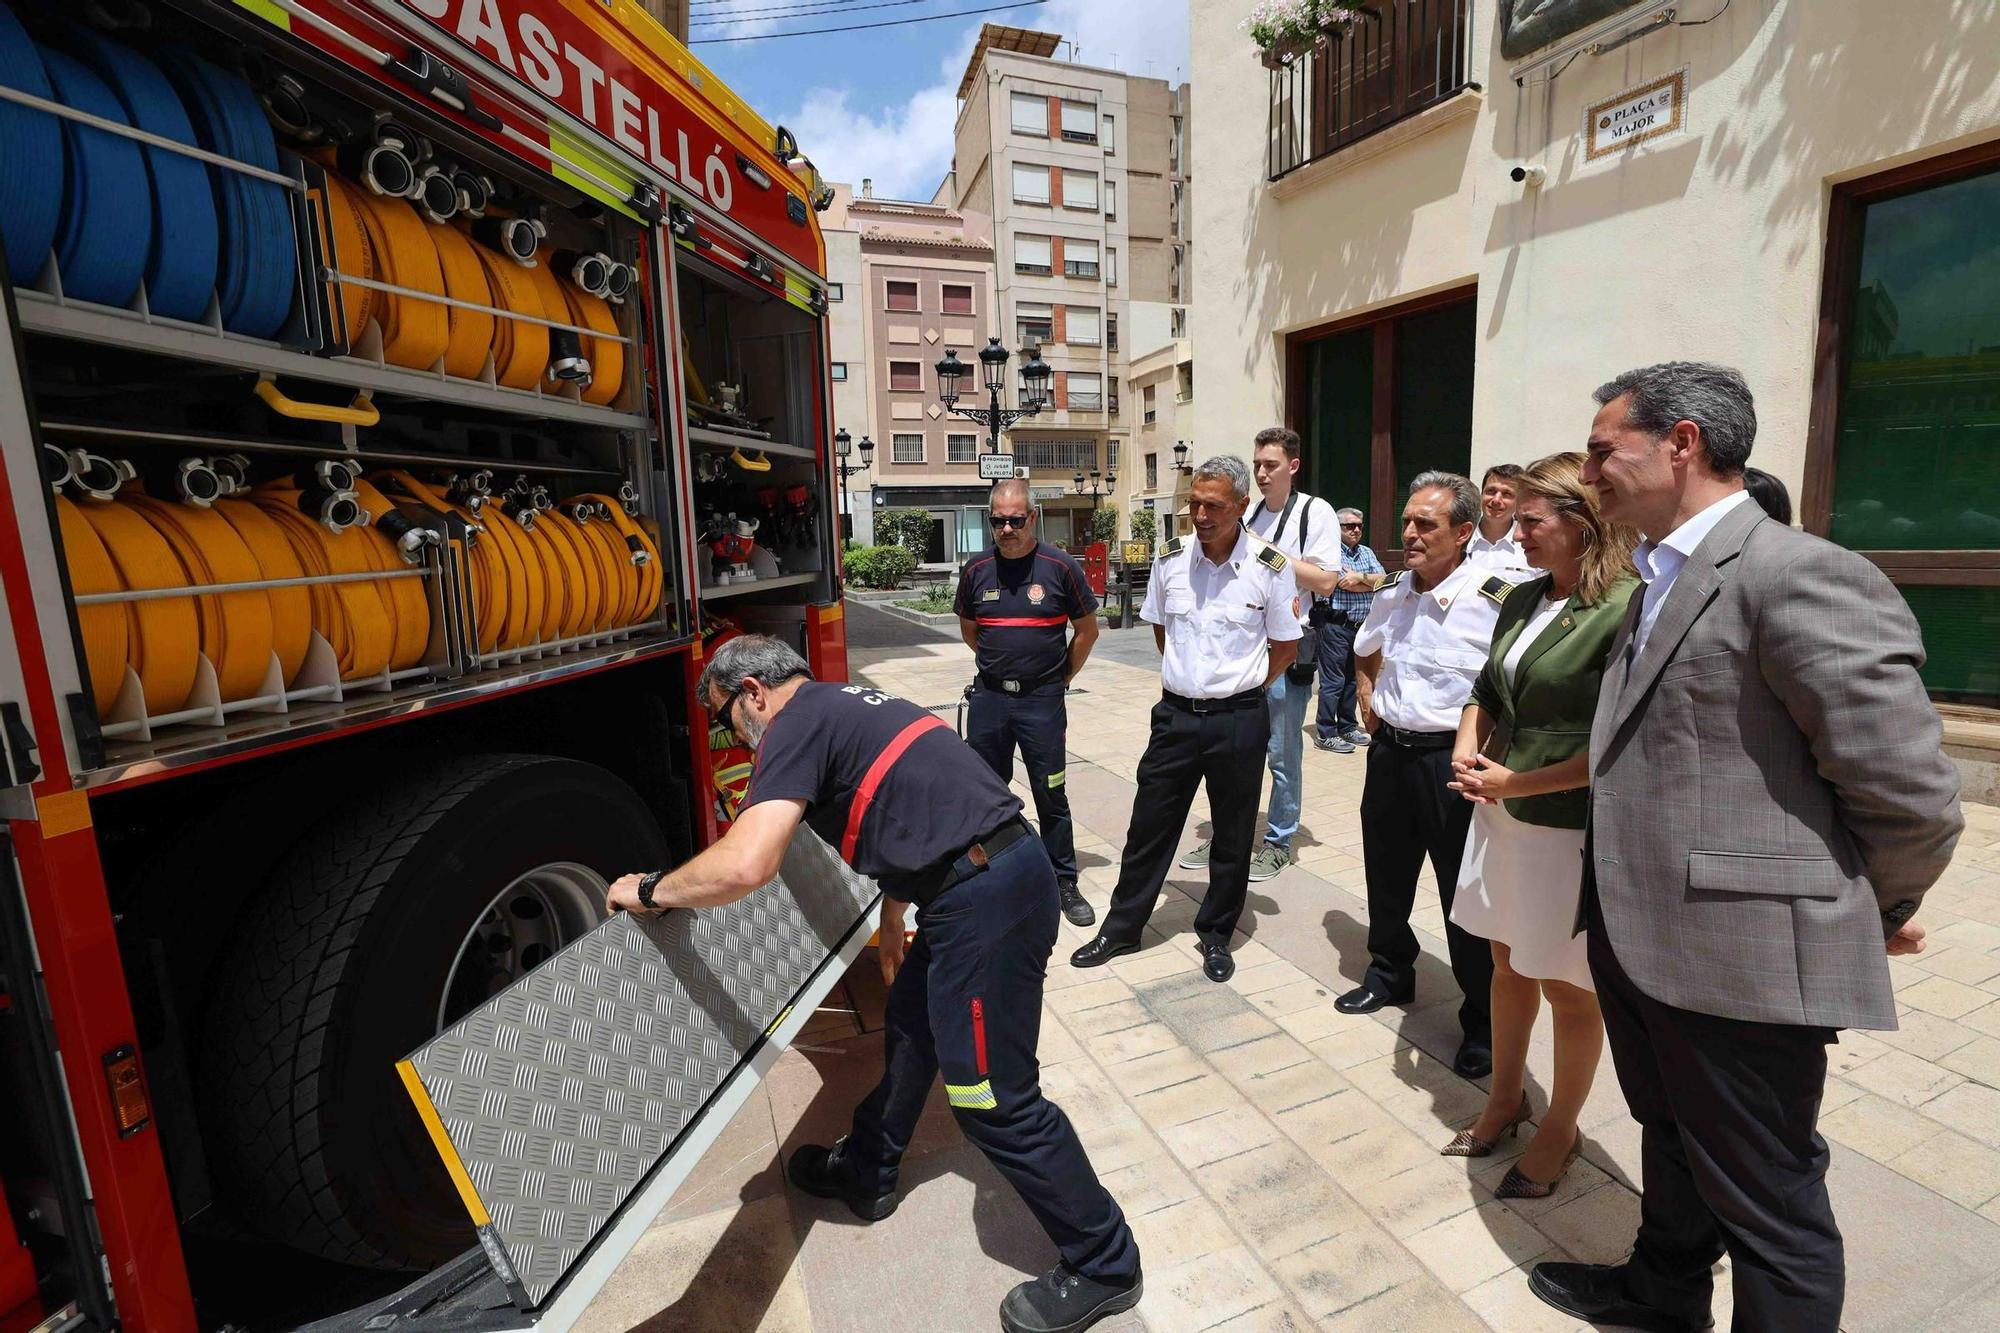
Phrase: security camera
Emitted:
{"points": [[1528, 178]]}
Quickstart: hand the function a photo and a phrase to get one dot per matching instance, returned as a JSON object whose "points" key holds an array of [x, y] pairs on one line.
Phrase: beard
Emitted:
{"points": [[752, 733]]}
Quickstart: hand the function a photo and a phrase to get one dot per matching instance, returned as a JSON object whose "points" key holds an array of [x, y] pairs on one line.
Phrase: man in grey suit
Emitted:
{"points": [[1769, 802]]}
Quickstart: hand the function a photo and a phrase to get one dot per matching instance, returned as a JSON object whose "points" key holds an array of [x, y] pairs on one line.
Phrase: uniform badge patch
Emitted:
{"points": [[1173, 547], [1271, 558], [1036, 593], [1496, 588], [990, 595]]}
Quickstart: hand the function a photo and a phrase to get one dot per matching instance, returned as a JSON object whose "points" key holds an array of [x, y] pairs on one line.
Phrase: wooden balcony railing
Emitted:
{"points": [[1400, 57]]}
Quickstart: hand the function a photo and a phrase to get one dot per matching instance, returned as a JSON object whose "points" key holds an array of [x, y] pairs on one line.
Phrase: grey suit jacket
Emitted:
{"points": [[1769, 785]]}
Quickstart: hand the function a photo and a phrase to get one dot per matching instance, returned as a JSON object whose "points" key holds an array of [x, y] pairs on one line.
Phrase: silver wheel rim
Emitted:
{"points": [[522, 926]]}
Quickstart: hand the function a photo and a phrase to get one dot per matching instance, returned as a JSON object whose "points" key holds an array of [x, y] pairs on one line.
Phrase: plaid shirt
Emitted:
{"points": [[1356, 604]]}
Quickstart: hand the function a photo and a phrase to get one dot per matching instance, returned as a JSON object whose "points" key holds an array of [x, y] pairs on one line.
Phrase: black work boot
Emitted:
{"points": [[1074, 906], [826, 1173], [1064, 1301]]}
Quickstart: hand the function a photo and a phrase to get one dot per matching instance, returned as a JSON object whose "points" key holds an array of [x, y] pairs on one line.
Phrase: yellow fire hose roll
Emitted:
{"points": [[103, 626], [353, 618], [291, 608], [607, 358], [487, 573], [555, 305], [651, 576], [552, 592], [524, 579], [355, 253], [464, 280], [235, 626], [610, 568], [409, 608], [163, 637], [415, 332], [520, 349], [585, 592]]}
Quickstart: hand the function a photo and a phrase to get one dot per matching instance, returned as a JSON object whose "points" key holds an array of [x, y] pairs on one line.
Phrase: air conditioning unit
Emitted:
{"points": [[1020, 474]]}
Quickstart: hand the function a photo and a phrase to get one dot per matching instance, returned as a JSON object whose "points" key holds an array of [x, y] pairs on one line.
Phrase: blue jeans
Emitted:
{"points": [[1336, 680], [1284, 753]]}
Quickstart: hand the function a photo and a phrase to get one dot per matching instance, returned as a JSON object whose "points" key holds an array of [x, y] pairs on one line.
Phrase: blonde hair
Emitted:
{"points": [[1607, 546]]}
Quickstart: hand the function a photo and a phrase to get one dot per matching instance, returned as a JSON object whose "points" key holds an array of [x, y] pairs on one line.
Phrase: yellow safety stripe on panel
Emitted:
{"points": [[578, 572], [235, 626], [354, 618], [520, 349], [453, 1165], [464, 280], [569, 150], [163, 636], [349, 250], [103, 626], [607, 358], [264, 9], [291, 608], [974, 1097], [408, 602], [1055, 779], [415, 332]]}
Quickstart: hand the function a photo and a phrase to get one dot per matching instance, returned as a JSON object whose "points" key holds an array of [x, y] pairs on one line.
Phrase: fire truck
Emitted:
{"points": [[397, 399]]}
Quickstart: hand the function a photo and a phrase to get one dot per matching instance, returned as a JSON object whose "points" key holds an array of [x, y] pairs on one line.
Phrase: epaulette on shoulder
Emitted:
{"points": [[1496, 588], [1173, 547], [1391, 580], [1271, 558]]}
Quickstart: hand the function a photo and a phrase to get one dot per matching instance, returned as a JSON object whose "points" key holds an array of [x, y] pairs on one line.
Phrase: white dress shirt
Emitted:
{"points": [[1659, 563], [1502, 557], [1219, 618], [1433, 645]]}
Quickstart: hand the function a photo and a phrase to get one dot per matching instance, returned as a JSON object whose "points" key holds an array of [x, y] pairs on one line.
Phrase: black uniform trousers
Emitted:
{"points": [[1224, 749], [968, 1001], [1408, 812], [1730, 1157], [1337, 689], [1037, 721]]}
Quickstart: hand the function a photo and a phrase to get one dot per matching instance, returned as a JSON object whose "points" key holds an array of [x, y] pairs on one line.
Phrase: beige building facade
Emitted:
{"points": [[1456, 220]]}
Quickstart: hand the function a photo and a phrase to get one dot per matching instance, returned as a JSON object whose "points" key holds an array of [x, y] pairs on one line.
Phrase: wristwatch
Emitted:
{"points": [[647, 884]]}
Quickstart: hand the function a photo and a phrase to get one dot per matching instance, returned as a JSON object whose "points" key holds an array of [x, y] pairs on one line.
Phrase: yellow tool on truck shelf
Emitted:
{"points": [[291, 608], [235, 627], [163, 636], [91, 570]]}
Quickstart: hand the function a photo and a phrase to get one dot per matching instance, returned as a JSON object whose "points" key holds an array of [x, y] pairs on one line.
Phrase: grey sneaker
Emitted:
{"points": [[1197, 857], [1337, 744], [1268, 861], [1356, 735]]}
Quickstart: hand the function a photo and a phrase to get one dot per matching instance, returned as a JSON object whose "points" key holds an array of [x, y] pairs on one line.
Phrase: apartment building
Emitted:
{"points": [[847, 348], [1450, 221], [1083, 172]]}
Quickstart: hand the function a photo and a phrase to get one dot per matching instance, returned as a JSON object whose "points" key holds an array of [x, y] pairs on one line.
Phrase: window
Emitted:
{"points": [[1079, 258], [903, 296], [840, 372], [1086, 391], [1426, 422], [1111, 330], [906, 448], [1146, 401], [957, 298], [1111, 453], [1184, 386], [1031, 184], [1177, 322], [1912, 440], [1114, 396], [1034, 323], [1080, 191], [1064, 456], [1079, 122], [1081, 327], [1029, 114], [836, 291], [1111, 199], [906, 376], [1152, 472], [1111, 268], [1107, 132], [961, 448], [1032, 254]]}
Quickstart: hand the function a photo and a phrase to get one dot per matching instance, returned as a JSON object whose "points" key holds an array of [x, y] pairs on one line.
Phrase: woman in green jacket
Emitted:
{"points": [[1523, 756]]}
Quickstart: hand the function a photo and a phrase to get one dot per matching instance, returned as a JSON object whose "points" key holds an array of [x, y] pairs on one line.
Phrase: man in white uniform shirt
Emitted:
{"points": [[1221, 610], [1493, 545], [1307, 530], [1425, 641]]}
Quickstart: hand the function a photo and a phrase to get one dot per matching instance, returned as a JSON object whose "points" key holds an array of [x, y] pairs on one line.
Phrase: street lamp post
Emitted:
{"points": [[843, 446], [1180, 456], [1095, 491], [993, 358]]}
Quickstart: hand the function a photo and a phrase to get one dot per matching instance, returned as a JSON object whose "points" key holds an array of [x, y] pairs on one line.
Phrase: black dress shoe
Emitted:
{"points": [[1099, 952], [826, 1172], [1474, 1060], [1365, 999], [1064, 1301], [1074, 906], [1216, 964], [1596, 1292]]}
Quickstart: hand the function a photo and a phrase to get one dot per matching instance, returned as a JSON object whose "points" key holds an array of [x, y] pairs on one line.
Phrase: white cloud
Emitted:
{"points": [[905, 147]]}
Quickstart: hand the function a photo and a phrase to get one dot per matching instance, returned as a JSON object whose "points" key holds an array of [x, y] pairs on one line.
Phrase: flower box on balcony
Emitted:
{"points": [[1286, 31]]}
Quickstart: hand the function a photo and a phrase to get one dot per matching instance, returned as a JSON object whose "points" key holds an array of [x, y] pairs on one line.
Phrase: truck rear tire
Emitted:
{"points": [[400, 910]]}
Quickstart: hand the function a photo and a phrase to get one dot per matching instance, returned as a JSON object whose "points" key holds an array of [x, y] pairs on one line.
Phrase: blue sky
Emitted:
{"points": [[881, 102]]}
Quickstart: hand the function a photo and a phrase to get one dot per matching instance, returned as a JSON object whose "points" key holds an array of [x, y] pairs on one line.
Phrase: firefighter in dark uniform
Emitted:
{"points": [[1016, 604], [903, 800]]}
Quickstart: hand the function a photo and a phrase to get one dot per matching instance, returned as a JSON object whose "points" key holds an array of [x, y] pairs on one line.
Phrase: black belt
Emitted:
{"points": [[1250, 698], [977, 857], [1416, 740], [1006, 686]]}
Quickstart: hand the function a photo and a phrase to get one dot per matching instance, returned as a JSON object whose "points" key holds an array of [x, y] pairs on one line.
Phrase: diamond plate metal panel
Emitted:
{"points": [[564, 1091]]}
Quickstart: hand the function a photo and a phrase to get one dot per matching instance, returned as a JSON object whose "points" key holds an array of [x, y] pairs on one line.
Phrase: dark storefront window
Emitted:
{"points": [[1380, 400], [1905, 463]]}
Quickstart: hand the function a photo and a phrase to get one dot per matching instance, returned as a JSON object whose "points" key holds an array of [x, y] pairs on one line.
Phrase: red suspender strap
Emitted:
{"points": [[865, 795]]}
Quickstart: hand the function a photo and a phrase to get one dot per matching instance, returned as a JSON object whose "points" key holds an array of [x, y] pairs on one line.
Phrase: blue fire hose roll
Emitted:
{"points": [[106, 230], [32, 168], [181, 267]]}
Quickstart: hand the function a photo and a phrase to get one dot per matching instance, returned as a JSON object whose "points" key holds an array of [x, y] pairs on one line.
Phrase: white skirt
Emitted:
{"points": [[1518, 884]]}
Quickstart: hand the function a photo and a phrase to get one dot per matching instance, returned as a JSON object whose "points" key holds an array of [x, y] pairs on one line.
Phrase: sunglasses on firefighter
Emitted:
{"points": [[1008, 520]]}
